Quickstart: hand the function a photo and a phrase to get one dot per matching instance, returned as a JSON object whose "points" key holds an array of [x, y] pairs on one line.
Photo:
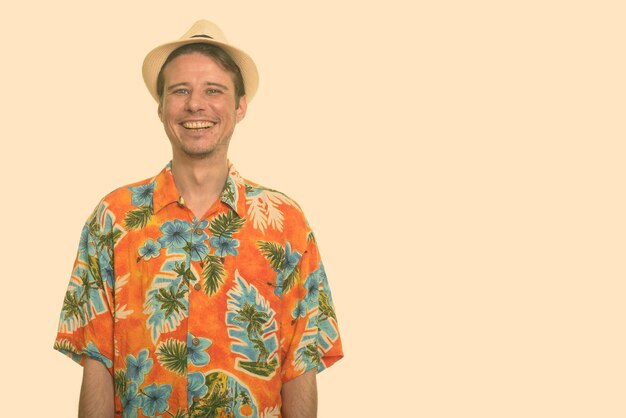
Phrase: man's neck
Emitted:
{"points": [[200, 181]]}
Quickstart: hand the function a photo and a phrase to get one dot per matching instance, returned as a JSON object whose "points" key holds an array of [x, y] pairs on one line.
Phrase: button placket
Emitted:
{"points": [[196, 294], [197, 231]]}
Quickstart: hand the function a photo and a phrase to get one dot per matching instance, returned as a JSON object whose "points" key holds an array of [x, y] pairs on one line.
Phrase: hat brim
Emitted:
{"points": [[154, 61]]}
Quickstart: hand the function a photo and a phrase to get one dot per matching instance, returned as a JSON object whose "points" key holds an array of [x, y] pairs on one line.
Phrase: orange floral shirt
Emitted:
{"points": [[199, 317]]}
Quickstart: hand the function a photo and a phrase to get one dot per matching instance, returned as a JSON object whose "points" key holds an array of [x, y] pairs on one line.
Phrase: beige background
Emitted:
{"points": [[461, 162]]}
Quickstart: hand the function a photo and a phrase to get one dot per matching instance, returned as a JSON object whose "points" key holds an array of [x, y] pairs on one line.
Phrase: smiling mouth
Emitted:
{"points": [[198, 125]]}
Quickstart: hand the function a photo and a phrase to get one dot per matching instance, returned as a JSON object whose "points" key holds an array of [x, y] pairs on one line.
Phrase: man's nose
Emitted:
{"points": [[194, 102]]}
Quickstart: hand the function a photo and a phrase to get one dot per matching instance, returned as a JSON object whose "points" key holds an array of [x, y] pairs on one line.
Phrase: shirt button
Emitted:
{"points": [[197, 286], [198, 231], [195, 341]]}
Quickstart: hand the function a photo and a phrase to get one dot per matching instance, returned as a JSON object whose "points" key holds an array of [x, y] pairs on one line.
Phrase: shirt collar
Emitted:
{"points": [[165, 192]]}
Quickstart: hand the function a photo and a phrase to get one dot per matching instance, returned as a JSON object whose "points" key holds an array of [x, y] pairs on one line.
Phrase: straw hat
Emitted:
{"points": [[202, 31]]}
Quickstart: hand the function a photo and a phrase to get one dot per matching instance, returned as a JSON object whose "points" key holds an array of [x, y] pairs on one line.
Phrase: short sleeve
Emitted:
{"points": [[86, 320], [310, 328]]}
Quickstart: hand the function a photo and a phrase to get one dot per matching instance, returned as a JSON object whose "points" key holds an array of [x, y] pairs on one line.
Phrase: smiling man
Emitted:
{"points": [[199, 293]]}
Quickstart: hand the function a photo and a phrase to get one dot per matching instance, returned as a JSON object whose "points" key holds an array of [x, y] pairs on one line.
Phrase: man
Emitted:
{"points": [[198, 293]]}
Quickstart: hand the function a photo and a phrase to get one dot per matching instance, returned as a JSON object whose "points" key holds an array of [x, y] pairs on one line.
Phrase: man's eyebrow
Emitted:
{"points": [[173, 86], [223, 87], [185, 84]]}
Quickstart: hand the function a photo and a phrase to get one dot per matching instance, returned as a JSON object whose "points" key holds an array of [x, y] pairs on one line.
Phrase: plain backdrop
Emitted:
{"points": [[462, 164]]}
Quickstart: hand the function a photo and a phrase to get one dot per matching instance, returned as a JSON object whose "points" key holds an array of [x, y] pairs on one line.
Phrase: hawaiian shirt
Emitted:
{"points": [[199, 317]]}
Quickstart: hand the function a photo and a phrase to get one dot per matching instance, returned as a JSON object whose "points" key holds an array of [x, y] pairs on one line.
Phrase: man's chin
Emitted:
{"points": [[199, 155]]}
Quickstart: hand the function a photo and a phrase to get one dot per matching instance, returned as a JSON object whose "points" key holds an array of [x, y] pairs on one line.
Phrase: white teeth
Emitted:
{"points": [[197, 124]]}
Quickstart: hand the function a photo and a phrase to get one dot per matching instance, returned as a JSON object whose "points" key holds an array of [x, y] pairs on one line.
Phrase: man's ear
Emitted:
{"points": [[241, 110], [160, 110]]}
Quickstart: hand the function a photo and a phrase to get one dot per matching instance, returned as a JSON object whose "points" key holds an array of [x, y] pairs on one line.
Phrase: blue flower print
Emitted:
{"points": [[198, 248], [224, 245], [280, 276], [291, 262], [196, 386], [106, 268], [83, 245], [311, 284], [150, 249], [175, 234], [291, 258], [155, 399], [196, 353], [108, 275], [323, 279], [137, 368], [131, 400], [299, 311], [200, 225], [142, 195], [92, 351]]}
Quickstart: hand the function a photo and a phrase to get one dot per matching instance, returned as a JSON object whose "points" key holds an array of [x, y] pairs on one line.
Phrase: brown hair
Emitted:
{"points": [[212, 51]]}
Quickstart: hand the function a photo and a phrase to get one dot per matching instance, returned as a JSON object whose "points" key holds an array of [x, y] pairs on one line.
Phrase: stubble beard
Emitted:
{"points": [[213, 151]]}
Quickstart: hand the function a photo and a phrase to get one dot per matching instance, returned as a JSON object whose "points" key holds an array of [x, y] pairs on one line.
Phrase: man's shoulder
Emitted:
{"points": [[124, 194], [272, 207], [256, 192], [123, 198]]}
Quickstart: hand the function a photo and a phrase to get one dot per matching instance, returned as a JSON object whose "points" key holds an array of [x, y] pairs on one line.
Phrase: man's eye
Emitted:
{"points": [[213, 91], [181, 91]]}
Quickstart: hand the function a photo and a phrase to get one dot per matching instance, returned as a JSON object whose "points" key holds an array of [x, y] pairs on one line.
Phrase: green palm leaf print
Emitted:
{"points": [[119, 381], [326, 309], [291, 279], [213, 273], [172, 354], [108, 240], [171, 300], [211, 405], [65, 345], [73, 306], [226, 224], [94, 268], [312, 354], [138, 218], [274, 253], [254, 318]]}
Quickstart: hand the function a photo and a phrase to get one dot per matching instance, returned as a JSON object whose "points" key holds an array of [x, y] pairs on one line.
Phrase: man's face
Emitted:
{"points": [[198, 108]]}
